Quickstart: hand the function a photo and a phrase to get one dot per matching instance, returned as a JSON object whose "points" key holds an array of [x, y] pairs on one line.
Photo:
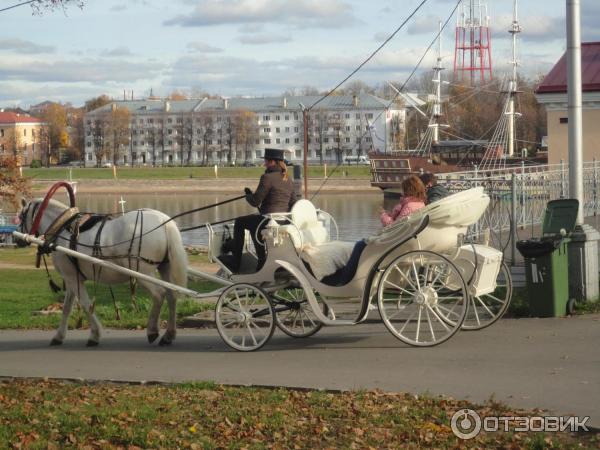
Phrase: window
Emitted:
{"points": [[295, 129], [326, 140], [336, 139], [24, 131], [277, 130], [358, 115], [150, 121], [358, 140], [198, 142], [369, 115], [169, 142], [134, 142], [170, 131], [347, 127], [347, 115], [368, 139], [295, 116], [266, 118], [347, 139], [366, 127], [141, 142], [89, 144], [134, 132], [267, 130], [287, 140], [296, 140], [287, 129], [562, 120], [277, 117], [278, 141], [287, 117], [357, 127], [267, 141], [298, 154], [179, 120], [169, 120]]}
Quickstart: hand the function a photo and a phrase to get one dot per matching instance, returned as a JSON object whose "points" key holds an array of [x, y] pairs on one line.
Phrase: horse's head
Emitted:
{"points": [[25, 218]]}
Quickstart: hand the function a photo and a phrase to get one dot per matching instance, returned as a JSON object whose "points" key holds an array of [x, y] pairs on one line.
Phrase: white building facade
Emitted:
{"points": [[237, 130]]}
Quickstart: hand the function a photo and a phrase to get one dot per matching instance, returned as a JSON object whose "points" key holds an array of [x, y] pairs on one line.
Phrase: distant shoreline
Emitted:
{"points": [[203, 185]]}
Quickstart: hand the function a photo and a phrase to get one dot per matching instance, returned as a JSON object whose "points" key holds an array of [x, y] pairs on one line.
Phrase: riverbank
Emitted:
{"points": [[202, 185]]}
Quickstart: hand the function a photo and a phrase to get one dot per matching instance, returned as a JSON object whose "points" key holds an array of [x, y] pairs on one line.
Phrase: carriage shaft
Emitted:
{"points": [[100, 262]]}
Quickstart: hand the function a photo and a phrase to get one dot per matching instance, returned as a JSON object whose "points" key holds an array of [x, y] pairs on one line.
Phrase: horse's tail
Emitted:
{"points": [[178, 262]]}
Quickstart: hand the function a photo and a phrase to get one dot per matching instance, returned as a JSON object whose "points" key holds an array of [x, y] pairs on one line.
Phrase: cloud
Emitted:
{"points": [[117, 52], [300, 13], [264, 38], [251, 28], [424, 25], [380, 36], [85, 70], [202, 47], [590, 18], [539, 28], [118, 8], [26, 47]]}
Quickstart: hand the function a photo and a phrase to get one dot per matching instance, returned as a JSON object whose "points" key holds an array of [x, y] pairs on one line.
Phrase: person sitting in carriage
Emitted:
{"points": [[413, 198], [274, 194]]}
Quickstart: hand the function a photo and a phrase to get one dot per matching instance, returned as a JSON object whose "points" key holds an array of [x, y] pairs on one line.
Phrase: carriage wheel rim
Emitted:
{"points": [[244, 317], [299, 321], [487, 309], [420, 298]]}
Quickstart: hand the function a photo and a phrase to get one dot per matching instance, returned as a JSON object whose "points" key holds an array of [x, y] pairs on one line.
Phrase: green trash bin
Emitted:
{"points": [[547, 260]]}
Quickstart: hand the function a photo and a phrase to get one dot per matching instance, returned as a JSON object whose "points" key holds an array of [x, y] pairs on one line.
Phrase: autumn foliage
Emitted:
{"points": [[12, 185]]}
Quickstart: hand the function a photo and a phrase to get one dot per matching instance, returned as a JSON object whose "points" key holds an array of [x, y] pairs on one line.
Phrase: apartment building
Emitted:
{"points": [[236, 130], [21, 135]]}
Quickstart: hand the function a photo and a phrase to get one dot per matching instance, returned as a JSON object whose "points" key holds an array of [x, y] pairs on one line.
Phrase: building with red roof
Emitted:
{"points": [[552, 93], [22, 135]]}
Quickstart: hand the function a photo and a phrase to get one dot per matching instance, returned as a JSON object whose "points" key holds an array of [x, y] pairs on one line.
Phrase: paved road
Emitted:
{"points": [[547, 363]]}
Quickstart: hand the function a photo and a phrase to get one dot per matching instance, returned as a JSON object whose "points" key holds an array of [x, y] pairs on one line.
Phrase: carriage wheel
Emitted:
{"points": [[294, 315], [411, 292], [486, 309], [245, 317]]}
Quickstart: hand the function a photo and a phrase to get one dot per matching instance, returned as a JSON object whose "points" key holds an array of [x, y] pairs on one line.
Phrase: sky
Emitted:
{"points": [[249, 47]]}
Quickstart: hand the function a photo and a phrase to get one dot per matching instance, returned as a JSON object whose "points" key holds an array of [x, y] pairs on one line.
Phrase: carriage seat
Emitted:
{"points": [[310, 237], [306, 228]]}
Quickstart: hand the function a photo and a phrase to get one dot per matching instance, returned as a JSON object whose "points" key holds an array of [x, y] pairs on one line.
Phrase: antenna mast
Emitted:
{"points": [[472, 51]]}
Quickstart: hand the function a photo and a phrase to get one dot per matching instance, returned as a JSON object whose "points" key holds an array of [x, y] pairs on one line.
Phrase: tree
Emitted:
{"points": [[12, 185], [98, 136], [77, 139], [96, 102], [206, 131], [245, 131], [177, 95], [39, 6], [55, 117], [118, 131]]}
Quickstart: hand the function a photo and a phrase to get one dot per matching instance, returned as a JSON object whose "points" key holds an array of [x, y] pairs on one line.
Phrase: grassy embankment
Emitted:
{"points": [[25, 293], [178, 173], [53, 415]]}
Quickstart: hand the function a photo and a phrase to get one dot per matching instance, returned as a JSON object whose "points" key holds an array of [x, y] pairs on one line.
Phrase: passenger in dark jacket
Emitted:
{"points": [[435, 191], [274, 194]]}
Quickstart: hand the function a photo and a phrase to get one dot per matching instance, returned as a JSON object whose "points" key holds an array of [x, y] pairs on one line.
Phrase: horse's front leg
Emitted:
{"points": [[95, 325], [61, 332]]}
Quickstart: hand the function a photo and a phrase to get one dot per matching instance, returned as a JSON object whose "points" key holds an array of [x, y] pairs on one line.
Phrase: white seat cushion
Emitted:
{"points": [[306, 229], [325, 259]]}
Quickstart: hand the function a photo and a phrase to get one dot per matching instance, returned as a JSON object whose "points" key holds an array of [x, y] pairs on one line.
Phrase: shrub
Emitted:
{"points": [[35, 164]]}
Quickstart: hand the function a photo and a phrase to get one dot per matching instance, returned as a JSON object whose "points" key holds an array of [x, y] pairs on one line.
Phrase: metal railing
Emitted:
{"points": [[519, 196]]}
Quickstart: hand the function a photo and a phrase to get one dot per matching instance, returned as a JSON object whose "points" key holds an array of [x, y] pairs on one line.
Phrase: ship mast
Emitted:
{"points": [[437, 80], [512, 89]]}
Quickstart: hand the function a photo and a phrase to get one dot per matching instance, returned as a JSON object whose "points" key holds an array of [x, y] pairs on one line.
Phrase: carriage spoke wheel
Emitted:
{"points": [[486, 309], [245, 317], [412, 291], [294, 315]]}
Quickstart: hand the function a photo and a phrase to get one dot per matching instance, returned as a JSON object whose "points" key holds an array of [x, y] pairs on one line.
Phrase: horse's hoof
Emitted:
{"points": [[152, 337], [165, 341], [56, 342], [91, 343]]}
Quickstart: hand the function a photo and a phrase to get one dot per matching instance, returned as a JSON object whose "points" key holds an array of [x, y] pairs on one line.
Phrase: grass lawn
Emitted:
{"points": [[25, 292], [177, 173], [57, 415]]}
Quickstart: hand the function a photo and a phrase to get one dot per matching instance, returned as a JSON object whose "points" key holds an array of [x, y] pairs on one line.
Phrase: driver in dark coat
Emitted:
{"points": [[274, 194]]}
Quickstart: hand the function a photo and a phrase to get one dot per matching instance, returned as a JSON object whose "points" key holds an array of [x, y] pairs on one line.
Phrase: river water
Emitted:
{"points": [[357, 215]]}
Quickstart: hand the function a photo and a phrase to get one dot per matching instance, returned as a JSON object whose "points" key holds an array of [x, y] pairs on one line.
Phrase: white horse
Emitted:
{"points": [[137, 240]]}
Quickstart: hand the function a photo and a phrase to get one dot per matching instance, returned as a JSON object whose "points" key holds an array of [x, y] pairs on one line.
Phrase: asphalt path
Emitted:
{"points": [[532, 363]]}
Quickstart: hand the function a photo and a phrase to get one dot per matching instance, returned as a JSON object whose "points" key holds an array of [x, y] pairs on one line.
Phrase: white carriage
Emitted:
{"points": [[427, 282]]}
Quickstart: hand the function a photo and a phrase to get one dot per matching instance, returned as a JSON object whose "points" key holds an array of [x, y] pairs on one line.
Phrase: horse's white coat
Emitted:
{"points": [[161, 249]]}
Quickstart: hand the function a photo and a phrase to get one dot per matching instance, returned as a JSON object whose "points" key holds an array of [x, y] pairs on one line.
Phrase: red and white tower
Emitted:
{"points": [[472, 52]]}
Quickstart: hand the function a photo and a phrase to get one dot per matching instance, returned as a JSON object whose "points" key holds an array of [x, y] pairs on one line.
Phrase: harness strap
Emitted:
{"points": [[97, 248]]}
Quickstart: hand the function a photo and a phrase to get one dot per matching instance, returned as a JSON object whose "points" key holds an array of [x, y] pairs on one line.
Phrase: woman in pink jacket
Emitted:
{"points": [[413, 199]]}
